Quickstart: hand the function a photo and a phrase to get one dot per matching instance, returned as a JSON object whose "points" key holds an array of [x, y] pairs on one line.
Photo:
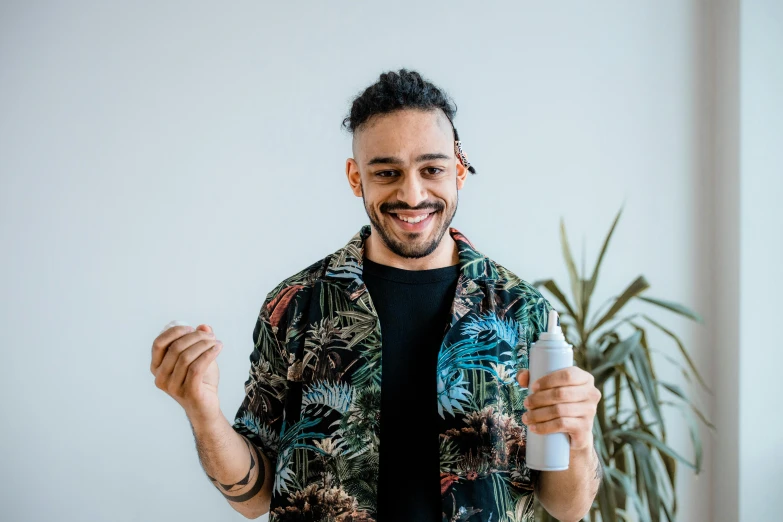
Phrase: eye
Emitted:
{"points": [[433, 170], [385, 173]]}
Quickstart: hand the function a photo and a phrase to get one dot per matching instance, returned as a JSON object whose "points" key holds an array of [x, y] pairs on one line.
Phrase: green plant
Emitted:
{"points": [[629, 430]]}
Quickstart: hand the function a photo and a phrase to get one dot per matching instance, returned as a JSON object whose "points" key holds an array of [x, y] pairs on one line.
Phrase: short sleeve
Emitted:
{"points": [[260, 416]]}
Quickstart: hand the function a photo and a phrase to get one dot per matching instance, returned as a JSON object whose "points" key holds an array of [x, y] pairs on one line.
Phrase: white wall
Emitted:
{"points": [[170, 160], [761, 258], [746, 283]]}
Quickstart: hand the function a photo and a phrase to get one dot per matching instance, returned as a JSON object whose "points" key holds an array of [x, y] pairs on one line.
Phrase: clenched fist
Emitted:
{"points": [[184, 365]]}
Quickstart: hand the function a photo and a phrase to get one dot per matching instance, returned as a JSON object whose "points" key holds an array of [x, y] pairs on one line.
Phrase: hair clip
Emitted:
{"points": [[463, 158]]}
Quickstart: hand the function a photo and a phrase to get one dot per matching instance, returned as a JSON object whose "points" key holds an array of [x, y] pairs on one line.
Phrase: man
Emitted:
{"points": [[409, 335]]}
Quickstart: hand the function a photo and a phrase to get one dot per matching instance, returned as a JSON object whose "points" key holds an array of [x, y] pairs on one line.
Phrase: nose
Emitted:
{"points": [[412, 190]]}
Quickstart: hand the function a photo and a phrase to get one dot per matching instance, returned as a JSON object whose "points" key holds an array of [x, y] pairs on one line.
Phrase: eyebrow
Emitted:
{"points": [[419, 159]]}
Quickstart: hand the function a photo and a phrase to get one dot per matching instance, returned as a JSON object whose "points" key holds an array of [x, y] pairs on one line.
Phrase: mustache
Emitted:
{"points": [[392, 207]]}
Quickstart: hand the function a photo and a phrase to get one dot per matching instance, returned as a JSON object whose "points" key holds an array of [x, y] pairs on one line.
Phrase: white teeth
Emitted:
{"points": [[413, 220]]}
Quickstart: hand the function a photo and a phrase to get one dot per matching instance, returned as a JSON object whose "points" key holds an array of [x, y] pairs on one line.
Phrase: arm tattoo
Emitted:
{"points": [[599, 469], [226, 489]]}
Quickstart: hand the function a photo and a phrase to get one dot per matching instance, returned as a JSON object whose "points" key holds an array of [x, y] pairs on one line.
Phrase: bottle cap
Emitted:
{"points": [[553, 330]]}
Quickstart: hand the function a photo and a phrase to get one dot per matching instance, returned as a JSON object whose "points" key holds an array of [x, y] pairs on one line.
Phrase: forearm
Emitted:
{"points": [[567, 495], [240, 471]]}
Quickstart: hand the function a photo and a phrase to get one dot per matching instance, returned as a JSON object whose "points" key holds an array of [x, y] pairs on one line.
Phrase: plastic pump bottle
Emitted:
{"points": [[550, 353]]}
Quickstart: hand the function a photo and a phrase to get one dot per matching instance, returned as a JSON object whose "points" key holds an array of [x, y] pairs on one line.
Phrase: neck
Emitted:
{"points": [[444, 255]]}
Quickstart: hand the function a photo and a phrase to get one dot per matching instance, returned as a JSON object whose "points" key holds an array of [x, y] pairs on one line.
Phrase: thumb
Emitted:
{"points": [[523, 378], [204, 328]]}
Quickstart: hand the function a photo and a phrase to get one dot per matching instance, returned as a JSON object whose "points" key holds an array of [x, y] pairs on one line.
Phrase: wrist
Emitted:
{"points": [[207, 424], [585, 443], [583, 453]]}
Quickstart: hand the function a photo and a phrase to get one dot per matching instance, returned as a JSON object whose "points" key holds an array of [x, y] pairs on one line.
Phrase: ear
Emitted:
{"points": [[462, 174], [354, 176]]}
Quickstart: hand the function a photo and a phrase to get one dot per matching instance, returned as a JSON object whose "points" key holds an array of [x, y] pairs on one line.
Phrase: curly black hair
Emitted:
{"points": [[397, 90]]}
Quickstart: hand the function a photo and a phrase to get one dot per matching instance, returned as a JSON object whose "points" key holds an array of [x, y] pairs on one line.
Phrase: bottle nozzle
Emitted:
{"points": [[553, 323], [553, 330]]}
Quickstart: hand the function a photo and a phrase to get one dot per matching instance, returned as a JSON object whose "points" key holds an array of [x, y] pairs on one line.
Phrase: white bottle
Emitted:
{"points": [[550, 353]]}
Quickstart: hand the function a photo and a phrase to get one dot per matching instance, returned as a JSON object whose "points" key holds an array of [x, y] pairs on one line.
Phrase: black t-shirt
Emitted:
{"points": [[414, 310]]}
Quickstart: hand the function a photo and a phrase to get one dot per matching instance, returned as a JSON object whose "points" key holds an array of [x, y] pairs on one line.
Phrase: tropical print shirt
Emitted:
{"points": [[313, 396]]}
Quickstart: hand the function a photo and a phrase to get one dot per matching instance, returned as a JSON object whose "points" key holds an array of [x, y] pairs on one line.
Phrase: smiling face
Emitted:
{"points": [[407, 174]]}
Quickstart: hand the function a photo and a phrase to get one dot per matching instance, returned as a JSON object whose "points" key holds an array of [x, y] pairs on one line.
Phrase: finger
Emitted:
{"points": [[163, 372], [162, 342], [187, 358], [199, 367], [568, 409], [569, 425], [571, 376], [559, 395], [523, 378]]}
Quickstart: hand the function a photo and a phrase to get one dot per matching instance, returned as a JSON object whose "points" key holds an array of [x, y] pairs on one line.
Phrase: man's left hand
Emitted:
{"points": [[562, 401]]}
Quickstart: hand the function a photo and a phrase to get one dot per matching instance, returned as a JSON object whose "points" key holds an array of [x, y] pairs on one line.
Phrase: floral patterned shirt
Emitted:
{"points": [[312, 402]]}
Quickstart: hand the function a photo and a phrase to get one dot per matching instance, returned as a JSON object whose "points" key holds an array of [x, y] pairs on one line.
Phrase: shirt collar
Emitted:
{"points": [[345, 265]]}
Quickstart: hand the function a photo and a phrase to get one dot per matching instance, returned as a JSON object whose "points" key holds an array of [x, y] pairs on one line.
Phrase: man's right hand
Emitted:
{"points": [[184, 365]]}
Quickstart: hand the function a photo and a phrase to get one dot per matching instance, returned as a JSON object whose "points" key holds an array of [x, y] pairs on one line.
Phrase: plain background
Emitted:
{"points": [[176, 160]]}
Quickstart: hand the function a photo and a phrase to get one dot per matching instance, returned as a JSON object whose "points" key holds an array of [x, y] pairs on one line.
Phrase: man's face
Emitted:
{"points": [[407, 174]]}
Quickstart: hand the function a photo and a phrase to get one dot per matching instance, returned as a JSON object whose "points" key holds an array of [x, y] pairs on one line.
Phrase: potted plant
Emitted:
{"points": [[640, 467]]}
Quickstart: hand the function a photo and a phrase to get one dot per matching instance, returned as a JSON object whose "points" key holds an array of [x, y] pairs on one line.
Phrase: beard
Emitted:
{"points": [[414, 248]]}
